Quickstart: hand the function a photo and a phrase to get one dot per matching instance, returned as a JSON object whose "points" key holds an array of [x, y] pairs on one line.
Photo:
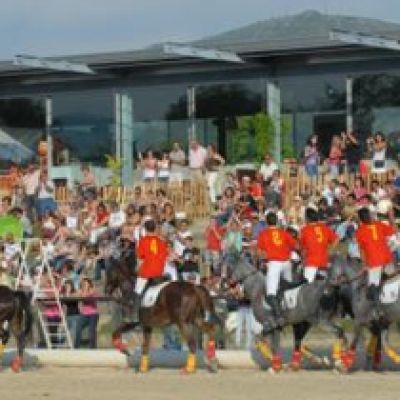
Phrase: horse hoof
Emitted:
{"points": [[187, 371], [16, 364]]}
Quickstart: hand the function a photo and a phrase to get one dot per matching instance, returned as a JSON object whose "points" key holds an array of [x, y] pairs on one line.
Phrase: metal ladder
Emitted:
{"points": [[56, 333]]}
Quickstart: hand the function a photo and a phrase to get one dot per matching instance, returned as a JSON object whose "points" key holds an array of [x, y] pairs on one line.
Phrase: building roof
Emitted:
{"points": [[306, 31]]}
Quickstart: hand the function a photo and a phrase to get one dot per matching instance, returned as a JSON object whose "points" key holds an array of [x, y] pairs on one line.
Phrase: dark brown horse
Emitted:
{"points": [[181, 303], [15, 316]]}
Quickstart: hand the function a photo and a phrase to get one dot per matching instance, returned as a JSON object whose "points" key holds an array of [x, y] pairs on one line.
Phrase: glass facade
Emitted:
{"points": [[314, 104], [83, 126], [22, 124], [218, 107], [377, 106], [84, 121], [159, 116]]}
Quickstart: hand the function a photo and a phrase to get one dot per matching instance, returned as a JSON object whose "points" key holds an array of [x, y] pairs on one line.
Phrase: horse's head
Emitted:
{"points": [[119, 276], [238, 267], [342, 270]]}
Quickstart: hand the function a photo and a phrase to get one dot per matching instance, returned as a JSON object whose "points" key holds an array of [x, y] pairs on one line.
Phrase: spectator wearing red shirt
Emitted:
{"points": [[214, 234], [315, 239]]}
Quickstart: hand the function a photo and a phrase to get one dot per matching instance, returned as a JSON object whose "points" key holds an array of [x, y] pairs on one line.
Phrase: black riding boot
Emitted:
{"points": [[373, 292], [273, 301]]}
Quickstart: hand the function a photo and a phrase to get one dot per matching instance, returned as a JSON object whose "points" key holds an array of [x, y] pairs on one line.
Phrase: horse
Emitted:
{"points": [[355, 283], [15, 316], [181, 303], [315, 304]]}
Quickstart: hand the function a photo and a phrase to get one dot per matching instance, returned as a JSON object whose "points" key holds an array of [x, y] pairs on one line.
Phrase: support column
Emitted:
{"points": [[49, 137], [274, 111], [349, 104], [191, 112]]}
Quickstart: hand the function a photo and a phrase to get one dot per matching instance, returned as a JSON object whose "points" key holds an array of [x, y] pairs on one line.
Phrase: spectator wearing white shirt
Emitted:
{"points": [[30, 183], [197, 159], [116, 219], [268, 167], [45, 195]]}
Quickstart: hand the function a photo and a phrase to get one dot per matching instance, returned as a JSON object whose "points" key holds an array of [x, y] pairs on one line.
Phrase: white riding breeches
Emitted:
{"points": [[310, 273], [140, 285], [276, 269], [375, 274]]}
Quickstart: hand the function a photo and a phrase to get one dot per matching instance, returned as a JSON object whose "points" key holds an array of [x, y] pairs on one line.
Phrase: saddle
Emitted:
{"points": [[152, 290]]}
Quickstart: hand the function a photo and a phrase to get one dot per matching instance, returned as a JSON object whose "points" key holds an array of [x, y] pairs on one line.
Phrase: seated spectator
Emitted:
{"points": [[89, 315], [360, 191], [100, 223]]}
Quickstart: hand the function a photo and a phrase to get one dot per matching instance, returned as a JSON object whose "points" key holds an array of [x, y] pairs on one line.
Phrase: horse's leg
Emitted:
{"points": [[339, 349], [299, 332], [276, 351], [144, 358], [186, 331], [18, 331], [4, 336], [117, 336], [388, 349], [209, 329]]}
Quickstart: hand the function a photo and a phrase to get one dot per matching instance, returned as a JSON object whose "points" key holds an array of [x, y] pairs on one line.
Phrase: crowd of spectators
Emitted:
{"points": [[81, 236]]}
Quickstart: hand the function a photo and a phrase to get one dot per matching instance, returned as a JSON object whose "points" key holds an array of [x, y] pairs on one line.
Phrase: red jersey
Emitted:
{"points": [[214, 234], [153, 252], [276, 243], [315, 239], [373, 242]]}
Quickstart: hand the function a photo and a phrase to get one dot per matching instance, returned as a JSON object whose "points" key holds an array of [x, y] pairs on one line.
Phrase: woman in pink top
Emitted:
{"points": [[89, 314], [360, 191]]}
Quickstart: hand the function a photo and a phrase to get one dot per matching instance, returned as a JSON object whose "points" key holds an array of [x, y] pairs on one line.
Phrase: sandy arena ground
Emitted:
{"points": [[113, 384]]}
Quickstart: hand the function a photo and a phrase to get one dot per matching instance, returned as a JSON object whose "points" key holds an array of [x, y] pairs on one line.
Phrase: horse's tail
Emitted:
{"points": [[24, 309], [207, 305]]}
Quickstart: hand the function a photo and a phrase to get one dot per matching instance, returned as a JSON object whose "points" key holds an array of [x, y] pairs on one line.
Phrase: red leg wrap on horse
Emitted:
{"points": [[296, 359], [119, 344], [377, 358], [277, 362], [211, 350]]}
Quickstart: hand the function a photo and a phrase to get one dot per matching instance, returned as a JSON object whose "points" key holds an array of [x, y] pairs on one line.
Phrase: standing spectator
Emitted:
{"points": [[116, 219], [72, 313], [379, 149], [89, 315], [214, 234], [335, 156], [197, 159], [30, 182], [177, 157], [88, 183], [164, 167], [149, 166], [45, 195], [213, 161], [352, 151], [268, 167], [311, 156]]}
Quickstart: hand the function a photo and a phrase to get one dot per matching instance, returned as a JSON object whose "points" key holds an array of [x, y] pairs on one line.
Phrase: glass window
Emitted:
{"points": [[317, 104], [22, 124], [83, 126]]}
